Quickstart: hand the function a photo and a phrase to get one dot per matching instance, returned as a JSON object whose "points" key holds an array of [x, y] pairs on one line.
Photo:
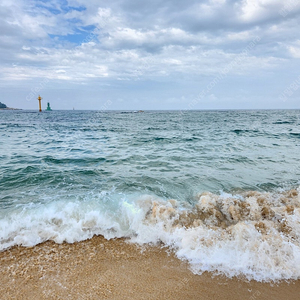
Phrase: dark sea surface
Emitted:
{"points": [[67, 175]]}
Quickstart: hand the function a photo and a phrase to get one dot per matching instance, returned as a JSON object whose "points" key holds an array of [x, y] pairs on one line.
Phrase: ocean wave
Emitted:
{"points": [[250, 234], [283, 122]]}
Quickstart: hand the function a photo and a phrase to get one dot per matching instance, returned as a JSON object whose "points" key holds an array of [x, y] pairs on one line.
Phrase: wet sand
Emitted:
{"points": [[115, 269]]}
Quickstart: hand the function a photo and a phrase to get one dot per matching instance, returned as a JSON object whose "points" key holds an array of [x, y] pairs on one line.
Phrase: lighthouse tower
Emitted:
{"points": [[48, 107], [40, 102]]}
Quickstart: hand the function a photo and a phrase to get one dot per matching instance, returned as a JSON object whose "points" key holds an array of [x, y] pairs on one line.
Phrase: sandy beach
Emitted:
{"points": [[115, 269]]}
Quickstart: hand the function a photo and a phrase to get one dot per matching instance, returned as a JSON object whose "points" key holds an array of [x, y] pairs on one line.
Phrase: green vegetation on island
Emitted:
{"points": [[2, 105]]}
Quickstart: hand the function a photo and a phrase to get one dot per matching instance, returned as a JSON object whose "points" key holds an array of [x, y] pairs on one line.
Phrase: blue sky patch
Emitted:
{"points": [[58, 7], [81, 35]]}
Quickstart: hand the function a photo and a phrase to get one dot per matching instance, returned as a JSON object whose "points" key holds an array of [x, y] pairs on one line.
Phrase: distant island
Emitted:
{"points": [[4, 106]]}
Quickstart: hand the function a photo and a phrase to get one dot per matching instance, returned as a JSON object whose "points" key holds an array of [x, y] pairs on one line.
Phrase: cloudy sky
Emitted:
{"points": [[158, 54]]}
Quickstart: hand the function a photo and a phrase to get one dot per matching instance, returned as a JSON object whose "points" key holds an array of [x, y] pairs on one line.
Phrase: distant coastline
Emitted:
{"points": [[4, 107]]}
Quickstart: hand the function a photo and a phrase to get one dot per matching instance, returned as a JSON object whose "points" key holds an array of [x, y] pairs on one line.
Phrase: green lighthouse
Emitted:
{"points": [[48, 107]]}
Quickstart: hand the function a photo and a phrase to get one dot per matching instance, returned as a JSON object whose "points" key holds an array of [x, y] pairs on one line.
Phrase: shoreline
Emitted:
{"points": [[115, 269]]}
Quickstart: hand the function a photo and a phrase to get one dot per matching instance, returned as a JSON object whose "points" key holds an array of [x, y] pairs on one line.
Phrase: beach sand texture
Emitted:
{"points": [[115, 269]]}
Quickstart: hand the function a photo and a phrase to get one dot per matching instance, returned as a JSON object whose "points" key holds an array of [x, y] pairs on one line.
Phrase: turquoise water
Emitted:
{"points": [[169, 154], [67, 175]]}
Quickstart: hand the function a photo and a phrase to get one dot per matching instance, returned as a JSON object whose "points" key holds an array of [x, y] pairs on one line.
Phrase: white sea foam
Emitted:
{"points": [[253, 234]]}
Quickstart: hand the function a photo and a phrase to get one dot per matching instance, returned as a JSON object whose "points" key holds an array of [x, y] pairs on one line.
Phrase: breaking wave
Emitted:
{"points": [[251, 234]]}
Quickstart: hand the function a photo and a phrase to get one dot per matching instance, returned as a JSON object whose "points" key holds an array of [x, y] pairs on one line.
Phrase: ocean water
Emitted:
{"points": [[221, 188]]}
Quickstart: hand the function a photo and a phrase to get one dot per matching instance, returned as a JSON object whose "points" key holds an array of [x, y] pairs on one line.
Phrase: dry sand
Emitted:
{"points": [[115, 269]]}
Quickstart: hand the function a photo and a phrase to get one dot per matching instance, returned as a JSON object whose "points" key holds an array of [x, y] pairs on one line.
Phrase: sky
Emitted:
{"points": [[158, 54]]}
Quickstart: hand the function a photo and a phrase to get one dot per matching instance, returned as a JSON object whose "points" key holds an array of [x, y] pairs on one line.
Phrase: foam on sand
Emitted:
{"points": [[251, 234]]}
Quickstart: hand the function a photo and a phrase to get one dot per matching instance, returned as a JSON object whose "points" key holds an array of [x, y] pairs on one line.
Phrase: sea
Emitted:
{"points": [[219, 188]]}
